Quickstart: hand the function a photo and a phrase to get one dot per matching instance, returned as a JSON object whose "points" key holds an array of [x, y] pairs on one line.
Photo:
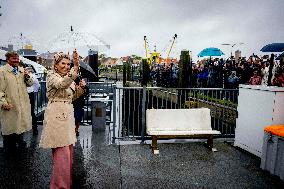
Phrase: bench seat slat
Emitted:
{"points": [[197, 132]]}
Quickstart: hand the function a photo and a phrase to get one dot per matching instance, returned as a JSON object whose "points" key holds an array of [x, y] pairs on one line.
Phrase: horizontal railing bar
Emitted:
{"points": [[166, 89]]}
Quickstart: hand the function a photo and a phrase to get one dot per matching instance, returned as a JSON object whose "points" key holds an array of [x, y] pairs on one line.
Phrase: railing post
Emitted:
{"points": [[114, 114], [143, 114]]}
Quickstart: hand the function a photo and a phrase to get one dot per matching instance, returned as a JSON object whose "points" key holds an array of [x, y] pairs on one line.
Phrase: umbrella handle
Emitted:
{"points": [[75, 56]]}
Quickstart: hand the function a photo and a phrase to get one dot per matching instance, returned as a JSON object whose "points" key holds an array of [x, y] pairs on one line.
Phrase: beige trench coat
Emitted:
{"points": [[13, 90], [59, 121]]}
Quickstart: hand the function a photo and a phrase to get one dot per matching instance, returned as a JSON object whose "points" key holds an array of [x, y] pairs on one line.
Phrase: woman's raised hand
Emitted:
{"points": [[76, 60]]}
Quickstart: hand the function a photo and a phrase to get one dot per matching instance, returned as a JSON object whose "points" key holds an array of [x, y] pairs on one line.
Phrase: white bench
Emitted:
{"points": [[179, 123]]}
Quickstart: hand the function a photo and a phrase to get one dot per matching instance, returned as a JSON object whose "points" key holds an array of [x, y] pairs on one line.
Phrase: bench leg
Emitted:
{"points": [[210, 143], [154, 146]]}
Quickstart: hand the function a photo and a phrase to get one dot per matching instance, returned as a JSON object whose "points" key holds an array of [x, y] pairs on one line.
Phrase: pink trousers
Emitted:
{"points": [[62, 167]]}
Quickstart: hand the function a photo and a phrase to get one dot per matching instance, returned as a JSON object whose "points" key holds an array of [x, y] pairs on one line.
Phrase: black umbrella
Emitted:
{"points": [[86, 67], [273, 47], [86, 71]]}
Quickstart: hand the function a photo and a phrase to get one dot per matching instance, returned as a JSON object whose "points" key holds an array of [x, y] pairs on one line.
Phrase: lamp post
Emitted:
{"points": [[0, 15], [232, 45]]}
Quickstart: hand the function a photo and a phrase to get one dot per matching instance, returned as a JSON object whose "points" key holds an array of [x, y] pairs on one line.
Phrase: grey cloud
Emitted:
{"points": [[123, 24]]}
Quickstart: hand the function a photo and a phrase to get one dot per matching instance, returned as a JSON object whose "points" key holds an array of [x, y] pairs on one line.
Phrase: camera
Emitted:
{"points": [[78, 79]]}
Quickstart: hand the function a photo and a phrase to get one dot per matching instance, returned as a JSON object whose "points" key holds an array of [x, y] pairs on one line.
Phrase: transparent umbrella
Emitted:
{"points": [[82, 41], [280, 56], [20, 41]]}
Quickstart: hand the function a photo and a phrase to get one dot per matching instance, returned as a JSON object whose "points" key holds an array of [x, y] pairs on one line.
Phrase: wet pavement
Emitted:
{"points": [[97, 164]]}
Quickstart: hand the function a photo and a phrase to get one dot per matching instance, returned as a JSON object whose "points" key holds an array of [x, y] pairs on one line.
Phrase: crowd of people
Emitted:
{"points": [[220, 73], [164, 75]]}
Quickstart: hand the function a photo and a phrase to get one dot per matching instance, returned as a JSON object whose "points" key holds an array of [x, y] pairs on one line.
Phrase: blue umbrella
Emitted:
{"points": [[273, 47], [212, 51]]}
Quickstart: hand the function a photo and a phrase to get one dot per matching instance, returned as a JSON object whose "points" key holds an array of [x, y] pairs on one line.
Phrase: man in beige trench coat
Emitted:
{"points": [[15, 108]]}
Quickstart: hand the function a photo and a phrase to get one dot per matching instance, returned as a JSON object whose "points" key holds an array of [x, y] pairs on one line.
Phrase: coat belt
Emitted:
{"points": [[64, 101]]}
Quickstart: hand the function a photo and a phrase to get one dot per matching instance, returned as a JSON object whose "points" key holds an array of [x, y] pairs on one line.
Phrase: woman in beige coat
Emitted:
{"points": [[58, 129]]}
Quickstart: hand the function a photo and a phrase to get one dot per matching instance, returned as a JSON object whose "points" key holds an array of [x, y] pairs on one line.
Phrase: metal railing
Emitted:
{"points": [[97, 91], [126, 106], [105, 88], [131, 104], [40, 101]]}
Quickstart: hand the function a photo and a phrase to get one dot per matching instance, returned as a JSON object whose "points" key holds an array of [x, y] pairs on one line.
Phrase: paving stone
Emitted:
{"points": [[97, 164]]}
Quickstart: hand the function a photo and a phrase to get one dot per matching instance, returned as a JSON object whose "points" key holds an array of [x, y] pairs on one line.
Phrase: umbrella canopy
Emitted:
{"points": [[85, 67], [273, 47], [82, 41], [87, 72], [212, 51]]}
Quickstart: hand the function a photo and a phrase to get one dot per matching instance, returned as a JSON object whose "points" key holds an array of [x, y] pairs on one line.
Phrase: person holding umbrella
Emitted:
{"points": [[58, 128]]}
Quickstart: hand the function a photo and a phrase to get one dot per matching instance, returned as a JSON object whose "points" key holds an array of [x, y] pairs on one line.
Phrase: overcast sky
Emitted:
{"points": [[123, 23]]}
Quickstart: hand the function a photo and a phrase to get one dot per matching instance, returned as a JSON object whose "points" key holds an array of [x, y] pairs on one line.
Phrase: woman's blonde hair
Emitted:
{"points": [[58, 57]]}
